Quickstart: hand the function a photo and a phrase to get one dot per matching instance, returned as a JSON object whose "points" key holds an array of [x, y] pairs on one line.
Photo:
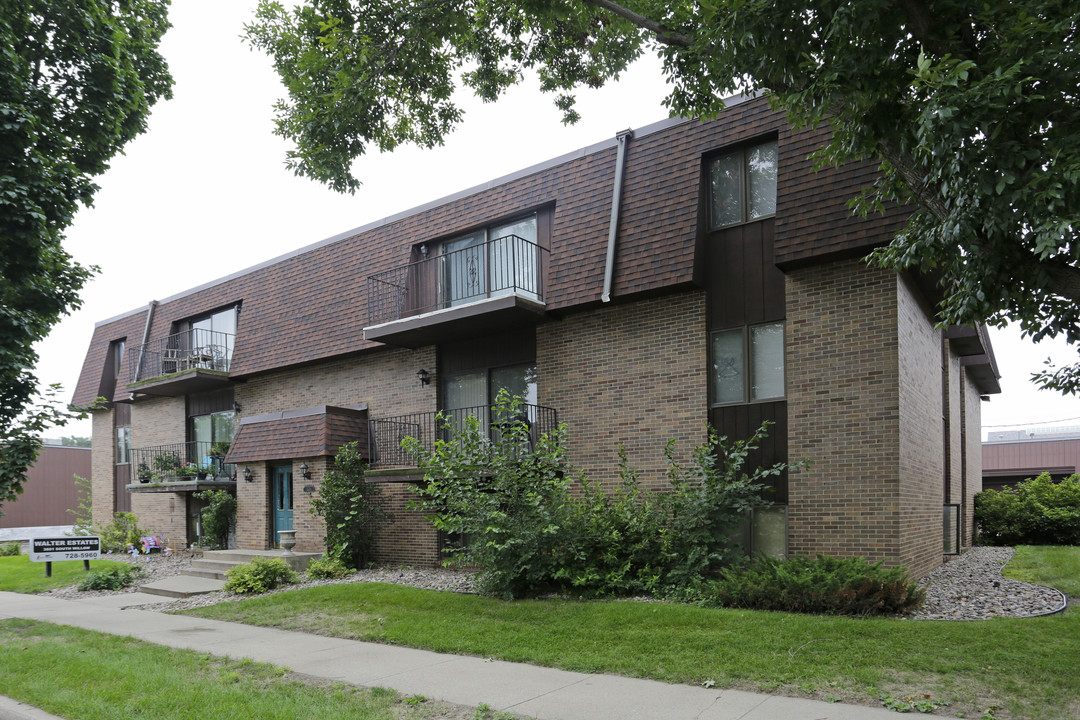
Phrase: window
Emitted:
{"points": [[747, 364], [742, 185], [117, 357], [213, 337], [499, 260], [209, 429], [123, 445]]}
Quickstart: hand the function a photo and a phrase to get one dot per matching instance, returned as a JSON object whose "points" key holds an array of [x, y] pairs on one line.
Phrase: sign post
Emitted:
{"points": [[50, 550]]}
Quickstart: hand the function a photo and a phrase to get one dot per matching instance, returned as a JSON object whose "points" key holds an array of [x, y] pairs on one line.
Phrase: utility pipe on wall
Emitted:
{"points": [[613, 225], [145, 339]]}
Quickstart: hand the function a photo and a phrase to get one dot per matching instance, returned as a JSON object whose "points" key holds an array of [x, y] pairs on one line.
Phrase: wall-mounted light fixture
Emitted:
{"points": [[236, 406], [423, 376], [247, 475], [305, 471]]}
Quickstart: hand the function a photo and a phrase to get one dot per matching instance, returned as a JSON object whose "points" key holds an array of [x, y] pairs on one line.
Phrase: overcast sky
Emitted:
{"points": [[204, 193]]}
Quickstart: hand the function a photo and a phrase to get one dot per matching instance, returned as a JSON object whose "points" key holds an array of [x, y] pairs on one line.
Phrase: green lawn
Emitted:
{"points": [[18, 574], [1054, 565], [1022, 667], [81, 674]]}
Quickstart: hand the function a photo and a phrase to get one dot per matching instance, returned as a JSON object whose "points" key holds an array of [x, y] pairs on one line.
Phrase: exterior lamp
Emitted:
{"points": [[247, 474], [423, 376], [305, 471]]}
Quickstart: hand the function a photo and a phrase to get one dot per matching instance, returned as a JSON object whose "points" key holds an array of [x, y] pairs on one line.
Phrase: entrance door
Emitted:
{"points": [[283, 503]]}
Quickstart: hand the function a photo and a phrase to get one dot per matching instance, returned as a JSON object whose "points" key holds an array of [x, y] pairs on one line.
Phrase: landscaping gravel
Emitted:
{"points": [[969, 587]]}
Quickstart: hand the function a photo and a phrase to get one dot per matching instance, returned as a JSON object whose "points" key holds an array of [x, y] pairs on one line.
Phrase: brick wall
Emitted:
{"points": [[385, 380], [164, 515], [634, 374], [158, 421], [921, 469], [253, 505], [843, 414], [408, 538], [102, 464], [973, 445]]}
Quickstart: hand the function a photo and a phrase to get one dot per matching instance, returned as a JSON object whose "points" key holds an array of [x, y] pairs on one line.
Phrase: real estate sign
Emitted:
{"points": [[82, 547]]}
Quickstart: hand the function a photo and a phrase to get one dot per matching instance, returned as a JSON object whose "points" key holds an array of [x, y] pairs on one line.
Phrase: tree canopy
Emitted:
{"points": [[971, 108], [77, 81]]}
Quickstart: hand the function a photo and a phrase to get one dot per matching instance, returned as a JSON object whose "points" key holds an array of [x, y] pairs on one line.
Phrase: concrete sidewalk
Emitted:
{"points": [[521, 689]]}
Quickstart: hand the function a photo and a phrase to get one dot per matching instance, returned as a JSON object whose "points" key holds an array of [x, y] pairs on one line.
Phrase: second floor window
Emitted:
{"points": [[742, 185], [747, 364]]}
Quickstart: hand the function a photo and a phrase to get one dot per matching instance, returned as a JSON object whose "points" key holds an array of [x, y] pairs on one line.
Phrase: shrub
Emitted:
{"points": [[121, 532], [115, 577], [327, 568], [529, 533], [824, 585], [510, 503], [1037, 511], [350, 507], [10, 549], [260, 575], [218, 517]]}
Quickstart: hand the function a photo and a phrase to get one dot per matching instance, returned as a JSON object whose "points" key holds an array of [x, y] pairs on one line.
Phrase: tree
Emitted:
{"points": [[971, 108], [77, 81], [75, 441]]}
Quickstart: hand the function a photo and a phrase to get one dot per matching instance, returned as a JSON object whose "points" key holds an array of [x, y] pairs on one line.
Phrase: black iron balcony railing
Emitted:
{"points": [[385, 434], [508, 265], [180, 462], [188, 350]]}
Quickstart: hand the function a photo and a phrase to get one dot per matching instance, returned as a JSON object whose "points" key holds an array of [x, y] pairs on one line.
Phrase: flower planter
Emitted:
{"points": [[287, 540]]}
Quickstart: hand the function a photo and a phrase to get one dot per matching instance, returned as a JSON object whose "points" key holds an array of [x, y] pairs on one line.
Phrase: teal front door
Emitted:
{"points": [[282, 502]]}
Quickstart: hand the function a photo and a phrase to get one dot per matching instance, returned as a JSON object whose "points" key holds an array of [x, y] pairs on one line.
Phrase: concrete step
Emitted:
{"points": [[209, 574], [298, 561], [182, 586]]}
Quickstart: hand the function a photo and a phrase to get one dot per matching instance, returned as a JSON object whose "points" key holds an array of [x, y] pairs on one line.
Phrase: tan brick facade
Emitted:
{"points": [[633, 374], [921, 469], [102, 464], [843, 414]]}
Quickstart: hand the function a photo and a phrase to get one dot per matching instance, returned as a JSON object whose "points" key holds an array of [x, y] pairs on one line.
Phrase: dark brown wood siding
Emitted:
{"points": [[746, 288]]}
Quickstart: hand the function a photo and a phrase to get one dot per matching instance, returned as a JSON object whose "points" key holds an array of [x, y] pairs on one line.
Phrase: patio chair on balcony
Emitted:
{"points": [[171, 361]]}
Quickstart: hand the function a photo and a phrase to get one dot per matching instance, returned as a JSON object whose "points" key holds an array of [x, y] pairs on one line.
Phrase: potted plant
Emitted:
{"points": [[143, 473], [220, 449], [187, 471], [202, 471]]}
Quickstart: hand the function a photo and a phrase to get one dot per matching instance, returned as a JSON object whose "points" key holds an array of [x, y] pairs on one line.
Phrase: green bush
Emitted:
{"points": [[510, 503], [1037, 511], [121, 532], [10, 549], [260, 575], [350, 508], [327, 568], [115, 577], [530, 532], [218, 517], [820, 585]]}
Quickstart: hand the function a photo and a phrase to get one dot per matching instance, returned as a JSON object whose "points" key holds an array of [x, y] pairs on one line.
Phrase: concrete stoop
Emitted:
{"points": [[207, 574]]}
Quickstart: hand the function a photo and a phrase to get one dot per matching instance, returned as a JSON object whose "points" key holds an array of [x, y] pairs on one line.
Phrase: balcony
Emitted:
{"points": [[187, 362], [484, 288], [179, 467], [385, 434]]}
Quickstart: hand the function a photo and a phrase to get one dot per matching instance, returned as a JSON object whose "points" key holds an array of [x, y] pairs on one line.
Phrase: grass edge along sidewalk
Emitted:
{"points": [[993, 668], [94, 676]]}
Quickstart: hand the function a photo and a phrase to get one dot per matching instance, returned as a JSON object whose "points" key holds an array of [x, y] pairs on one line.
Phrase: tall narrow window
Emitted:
{"points": [[747, 364], [742, 185], [212, 339], [118, 348]]}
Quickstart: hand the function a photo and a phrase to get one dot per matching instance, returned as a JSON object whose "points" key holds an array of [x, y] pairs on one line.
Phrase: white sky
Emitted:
{"points": [[204, 193]]}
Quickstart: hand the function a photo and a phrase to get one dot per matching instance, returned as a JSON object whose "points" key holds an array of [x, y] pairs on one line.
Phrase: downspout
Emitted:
{"points": [[145, 339], [613, 225]]}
